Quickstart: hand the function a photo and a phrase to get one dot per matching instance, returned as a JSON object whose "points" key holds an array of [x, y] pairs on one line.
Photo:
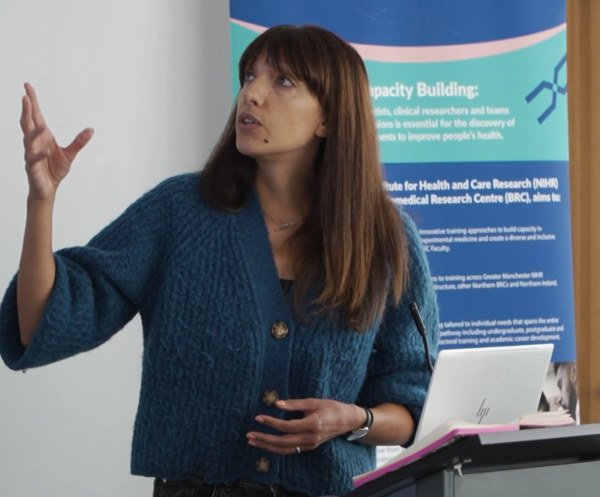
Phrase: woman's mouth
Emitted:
{"points": [[247, 122]]}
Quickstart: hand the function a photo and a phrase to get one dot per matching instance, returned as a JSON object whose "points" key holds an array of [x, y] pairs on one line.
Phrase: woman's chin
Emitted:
{"points": [[249, 150]]}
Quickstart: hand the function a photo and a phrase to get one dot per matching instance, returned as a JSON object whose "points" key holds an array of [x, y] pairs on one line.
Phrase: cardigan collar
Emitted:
{"points": [[258, 255]]}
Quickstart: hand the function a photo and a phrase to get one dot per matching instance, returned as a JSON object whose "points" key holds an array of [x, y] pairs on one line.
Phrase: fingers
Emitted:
{"points": [[80, 141], [36, 113], [26, 120], [284, 445], [306, 433], [36, 134], [308, 424], [300, 404]]}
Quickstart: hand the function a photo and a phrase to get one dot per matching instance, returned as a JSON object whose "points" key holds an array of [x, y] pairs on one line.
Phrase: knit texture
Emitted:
{"points": [[206, 287]]}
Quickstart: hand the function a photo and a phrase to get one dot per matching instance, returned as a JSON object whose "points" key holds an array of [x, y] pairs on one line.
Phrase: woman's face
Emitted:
{"points": [[278, 119]]}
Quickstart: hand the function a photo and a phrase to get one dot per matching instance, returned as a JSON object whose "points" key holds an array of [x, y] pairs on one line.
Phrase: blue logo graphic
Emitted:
{"points": [[554, 87]]}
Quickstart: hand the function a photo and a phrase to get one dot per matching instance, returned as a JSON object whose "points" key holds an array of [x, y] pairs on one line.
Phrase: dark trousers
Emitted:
{"points": [[197, 488]]}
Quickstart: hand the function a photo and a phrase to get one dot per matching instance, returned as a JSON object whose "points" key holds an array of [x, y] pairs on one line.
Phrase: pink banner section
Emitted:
{"points": [[444, 53]]}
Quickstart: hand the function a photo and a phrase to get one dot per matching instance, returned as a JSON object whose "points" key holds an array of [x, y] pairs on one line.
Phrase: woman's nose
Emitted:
{"points": [[254, 91]]}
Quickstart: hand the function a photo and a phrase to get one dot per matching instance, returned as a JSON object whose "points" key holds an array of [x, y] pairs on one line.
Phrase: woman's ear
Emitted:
{"points": [[321, 131]]}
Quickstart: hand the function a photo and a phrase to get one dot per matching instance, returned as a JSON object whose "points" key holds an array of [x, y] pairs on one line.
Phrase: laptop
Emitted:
{"points": [[491, 385]]}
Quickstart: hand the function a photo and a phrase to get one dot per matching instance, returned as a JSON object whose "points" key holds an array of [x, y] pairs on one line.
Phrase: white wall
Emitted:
{"points": [[152, 77]]}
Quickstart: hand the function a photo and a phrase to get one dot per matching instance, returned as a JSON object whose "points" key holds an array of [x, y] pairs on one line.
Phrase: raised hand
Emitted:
{"points": [[46, 163]]}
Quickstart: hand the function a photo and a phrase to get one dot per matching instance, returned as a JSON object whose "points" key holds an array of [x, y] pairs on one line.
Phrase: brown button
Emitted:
{"points": [[279, 330], [270, 397], [263, 465]]}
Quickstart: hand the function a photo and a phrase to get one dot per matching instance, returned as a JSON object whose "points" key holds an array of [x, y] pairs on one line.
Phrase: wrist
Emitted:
{"points": [[40, 204], [356, 419], [363, 429]]}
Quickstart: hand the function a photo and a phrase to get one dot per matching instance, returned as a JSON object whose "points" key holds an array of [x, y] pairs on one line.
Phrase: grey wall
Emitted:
{"points": [[152, 77]]}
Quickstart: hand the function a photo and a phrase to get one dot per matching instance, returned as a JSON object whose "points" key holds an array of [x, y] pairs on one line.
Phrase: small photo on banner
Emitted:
{"points": [[560, 389]]}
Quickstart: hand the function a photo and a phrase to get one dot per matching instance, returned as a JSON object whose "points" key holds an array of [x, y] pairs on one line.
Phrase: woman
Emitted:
{"points": [[273, 287]]}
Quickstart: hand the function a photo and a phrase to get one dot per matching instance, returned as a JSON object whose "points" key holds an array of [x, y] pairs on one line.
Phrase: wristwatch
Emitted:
{"points": [[363, 430]]}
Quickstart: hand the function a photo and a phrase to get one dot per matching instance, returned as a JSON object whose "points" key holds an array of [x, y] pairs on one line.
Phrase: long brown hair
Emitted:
{"points": [[352, 245]]}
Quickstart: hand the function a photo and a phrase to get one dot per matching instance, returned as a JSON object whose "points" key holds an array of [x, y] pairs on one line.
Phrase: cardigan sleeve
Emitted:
{"points": [[398, 370], [97, 288]]}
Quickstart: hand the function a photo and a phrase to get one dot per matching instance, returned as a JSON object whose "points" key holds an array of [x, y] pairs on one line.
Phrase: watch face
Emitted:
{"points": [[355, 435]]}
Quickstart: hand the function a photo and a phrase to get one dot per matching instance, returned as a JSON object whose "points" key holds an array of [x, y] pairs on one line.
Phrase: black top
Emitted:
{"points": [[286, 285]]}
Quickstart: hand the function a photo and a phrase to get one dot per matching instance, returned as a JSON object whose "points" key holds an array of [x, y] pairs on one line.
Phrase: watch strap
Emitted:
{"points": [[369, 421], [364, 429]]}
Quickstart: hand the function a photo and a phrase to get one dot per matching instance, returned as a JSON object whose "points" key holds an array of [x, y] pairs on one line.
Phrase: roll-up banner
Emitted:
{"points": [[471, 108]]}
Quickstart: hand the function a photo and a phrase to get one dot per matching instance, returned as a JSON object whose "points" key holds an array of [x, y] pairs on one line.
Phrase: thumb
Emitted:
{"points": [[298, 404], [80, 141]]}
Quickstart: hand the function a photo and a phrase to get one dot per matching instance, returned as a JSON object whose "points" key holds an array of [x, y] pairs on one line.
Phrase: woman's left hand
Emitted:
{"points": [[323, 420]]}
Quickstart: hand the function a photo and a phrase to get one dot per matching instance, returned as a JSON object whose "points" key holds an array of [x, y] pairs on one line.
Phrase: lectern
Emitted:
{"points": [[545, 462]]}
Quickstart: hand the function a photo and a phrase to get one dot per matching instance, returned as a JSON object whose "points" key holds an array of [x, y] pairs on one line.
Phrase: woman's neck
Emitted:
{"points": [[285, 193]]}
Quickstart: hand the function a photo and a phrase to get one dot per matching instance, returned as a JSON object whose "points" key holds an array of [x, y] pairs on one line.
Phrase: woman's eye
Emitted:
{"points": [[248, 76], [285, 81]]}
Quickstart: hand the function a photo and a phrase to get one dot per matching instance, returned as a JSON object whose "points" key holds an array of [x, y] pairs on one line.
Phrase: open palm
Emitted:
{"points": [[46, 163]]}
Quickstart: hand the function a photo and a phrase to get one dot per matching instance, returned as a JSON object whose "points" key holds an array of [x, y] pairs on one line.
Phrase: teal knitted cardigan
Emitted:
{"points": [[208, 293]]}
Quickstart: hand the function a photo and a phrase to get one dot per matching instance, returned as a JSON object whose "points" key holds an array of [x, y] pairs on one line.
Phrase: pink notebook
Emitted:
{"points": [[452, 430]]}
